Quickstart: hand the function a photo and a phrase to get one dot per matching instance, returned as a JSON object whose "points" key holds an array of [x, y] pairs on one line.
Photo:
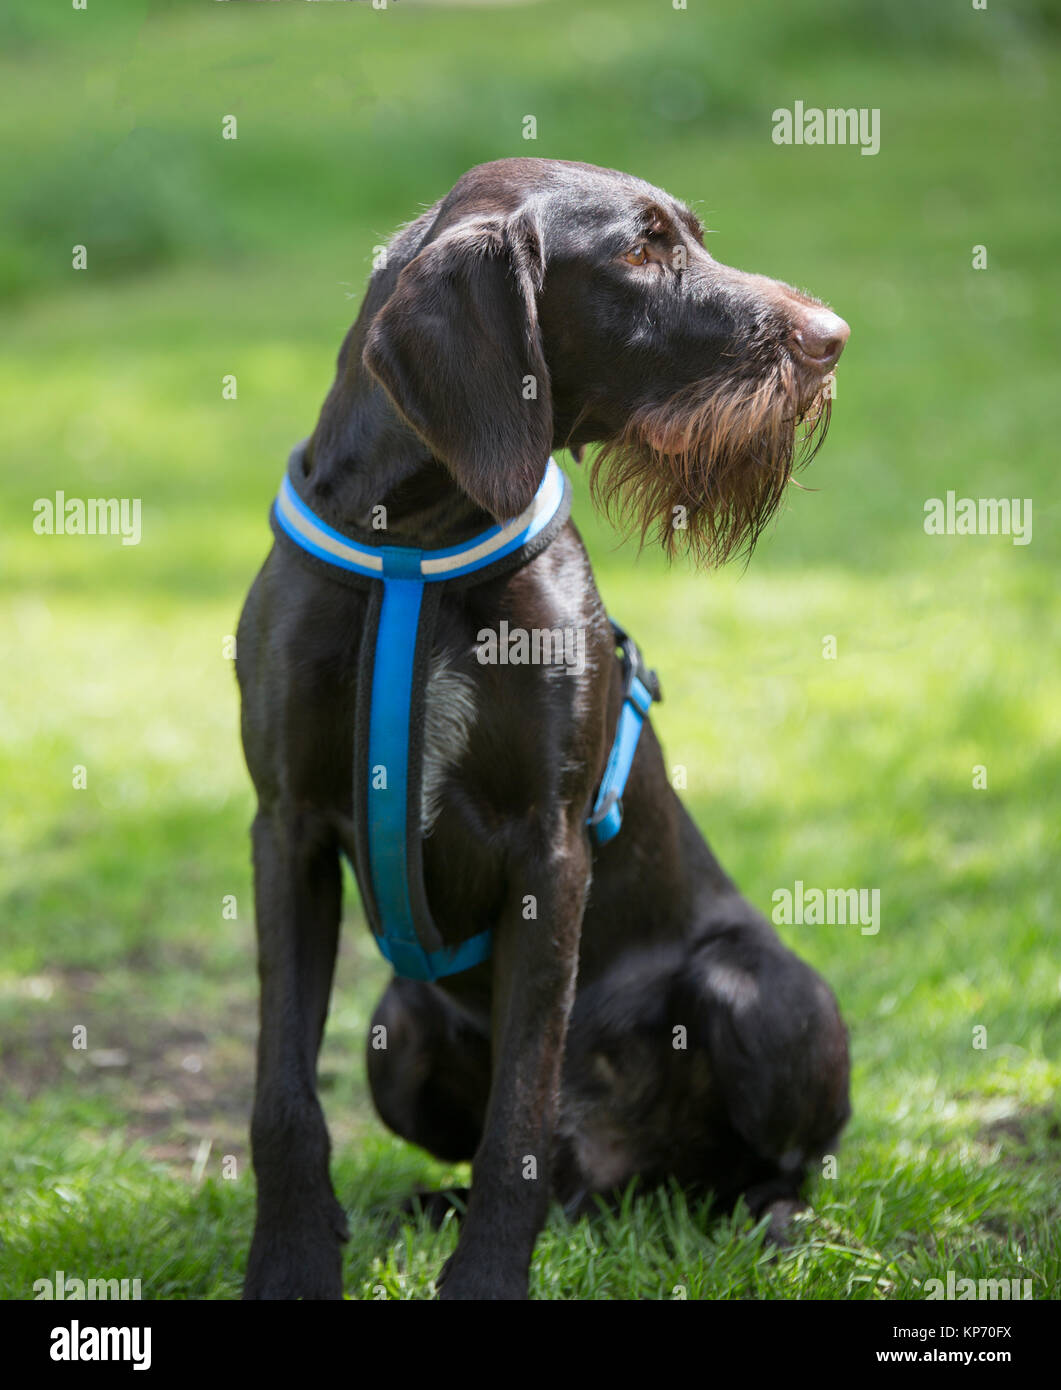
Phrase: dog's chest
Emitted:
{"points": [[449, 717]]}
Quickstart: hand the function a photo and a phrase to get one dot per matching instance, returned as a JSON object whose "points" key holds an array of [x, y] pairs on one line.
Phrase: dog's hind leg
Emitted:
{"points": [[778, 1053], [429, 1070], [296, 1251], [720, 1062]]}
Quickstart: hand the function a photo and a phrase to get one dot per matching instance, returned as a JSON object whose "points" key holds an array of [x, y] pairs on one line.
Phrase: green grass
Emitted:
{"points": [[207, 258]]}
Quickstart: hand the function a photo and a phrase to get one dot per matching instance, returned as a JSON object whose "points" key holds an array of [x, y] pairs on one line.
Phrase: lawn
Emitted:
{"points": [[127, 901]]}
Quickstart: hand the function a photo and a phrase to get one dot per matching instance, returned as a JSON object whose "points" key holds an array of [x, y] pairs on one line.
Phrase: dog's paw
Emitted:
{"points": [[781, 1214], [293, 1285], [462, 1281], [435, 1207], [294, 1266]]}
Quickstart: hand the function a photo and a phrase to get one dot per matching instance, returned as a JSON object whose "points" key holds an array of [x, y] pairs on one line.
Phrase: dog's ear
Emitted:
{"points": [[458, 349]]}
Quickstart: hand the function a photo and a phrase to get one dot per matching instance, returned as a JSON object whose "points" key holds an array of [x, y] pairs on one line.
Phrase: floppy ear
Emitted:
{"points": [[458, 349]]}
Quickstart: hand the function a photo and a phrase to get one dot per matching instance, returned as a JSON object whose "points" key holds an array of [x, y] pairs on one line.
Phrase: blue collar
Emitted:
{"points": [[429, 566], [404, 587]]}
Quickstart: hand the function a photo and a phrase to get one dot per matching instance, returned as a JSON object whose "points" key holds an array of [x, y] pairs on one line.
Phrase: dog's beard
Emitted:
{"points": [[706, 470]]}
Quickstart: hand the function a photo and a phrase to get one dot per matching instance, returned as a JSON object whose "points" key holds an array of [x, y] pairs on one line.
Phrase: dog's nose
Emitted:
{"points": [[819, 337]]}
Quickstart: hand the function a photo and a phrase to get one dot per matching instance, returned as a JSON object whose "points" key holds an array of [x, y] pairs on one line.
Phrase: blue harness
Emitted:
{"points": [[404, 587]]}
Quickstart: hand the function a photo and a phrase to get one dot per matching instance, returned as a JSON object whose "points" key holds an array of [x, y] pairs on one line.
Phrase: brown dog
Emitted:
{"points": [[643, 1018]]}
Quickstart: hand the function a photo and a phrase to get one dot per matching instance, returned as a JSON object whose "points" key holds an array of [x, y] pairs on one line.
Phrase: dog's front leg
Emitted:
{"points": [[535, 967], [296, 1251]]}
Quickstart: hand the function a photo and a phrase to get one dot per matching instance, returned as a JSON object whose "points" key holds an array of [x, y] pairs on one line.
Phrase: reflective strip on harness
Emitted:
{"points": [[319, 539]]}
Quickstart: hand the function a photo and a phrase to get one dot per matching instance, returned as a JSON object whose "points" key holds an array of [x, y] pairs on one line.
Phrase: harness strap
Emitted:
{"points": [[393, 814], [640, 688], [404, 584]]}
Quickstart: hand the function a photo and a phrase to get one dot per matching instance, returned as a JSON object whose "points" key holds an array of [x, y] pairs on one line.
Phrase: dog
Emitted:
{"points": [[635, 1017]]}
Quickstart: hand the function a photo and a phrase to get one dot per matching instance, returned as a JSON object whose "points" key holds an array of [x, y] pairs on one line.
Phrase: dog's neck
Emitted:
{"points": [[363, 456]]}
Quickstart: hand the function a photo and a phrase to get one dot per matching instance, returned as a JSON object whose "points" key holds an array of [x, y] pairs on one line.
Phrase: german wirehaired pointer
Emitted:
{"points": [[572, 1007]]}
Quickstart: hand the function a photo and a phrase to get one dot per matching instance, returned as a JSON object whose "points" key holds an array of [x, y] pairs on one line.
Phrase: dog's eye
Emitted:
{"points": [[638, 256]]}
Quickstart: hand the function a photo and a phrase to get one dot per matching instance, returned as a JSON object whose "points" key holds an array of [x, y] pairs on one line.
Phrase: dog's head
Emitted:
{"points": [[555, 305]]}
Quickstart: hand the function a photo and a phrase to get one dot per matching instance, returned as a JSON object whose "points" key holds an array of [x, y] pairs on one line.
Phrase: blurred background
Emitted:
{"points": [[127, 901]]}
